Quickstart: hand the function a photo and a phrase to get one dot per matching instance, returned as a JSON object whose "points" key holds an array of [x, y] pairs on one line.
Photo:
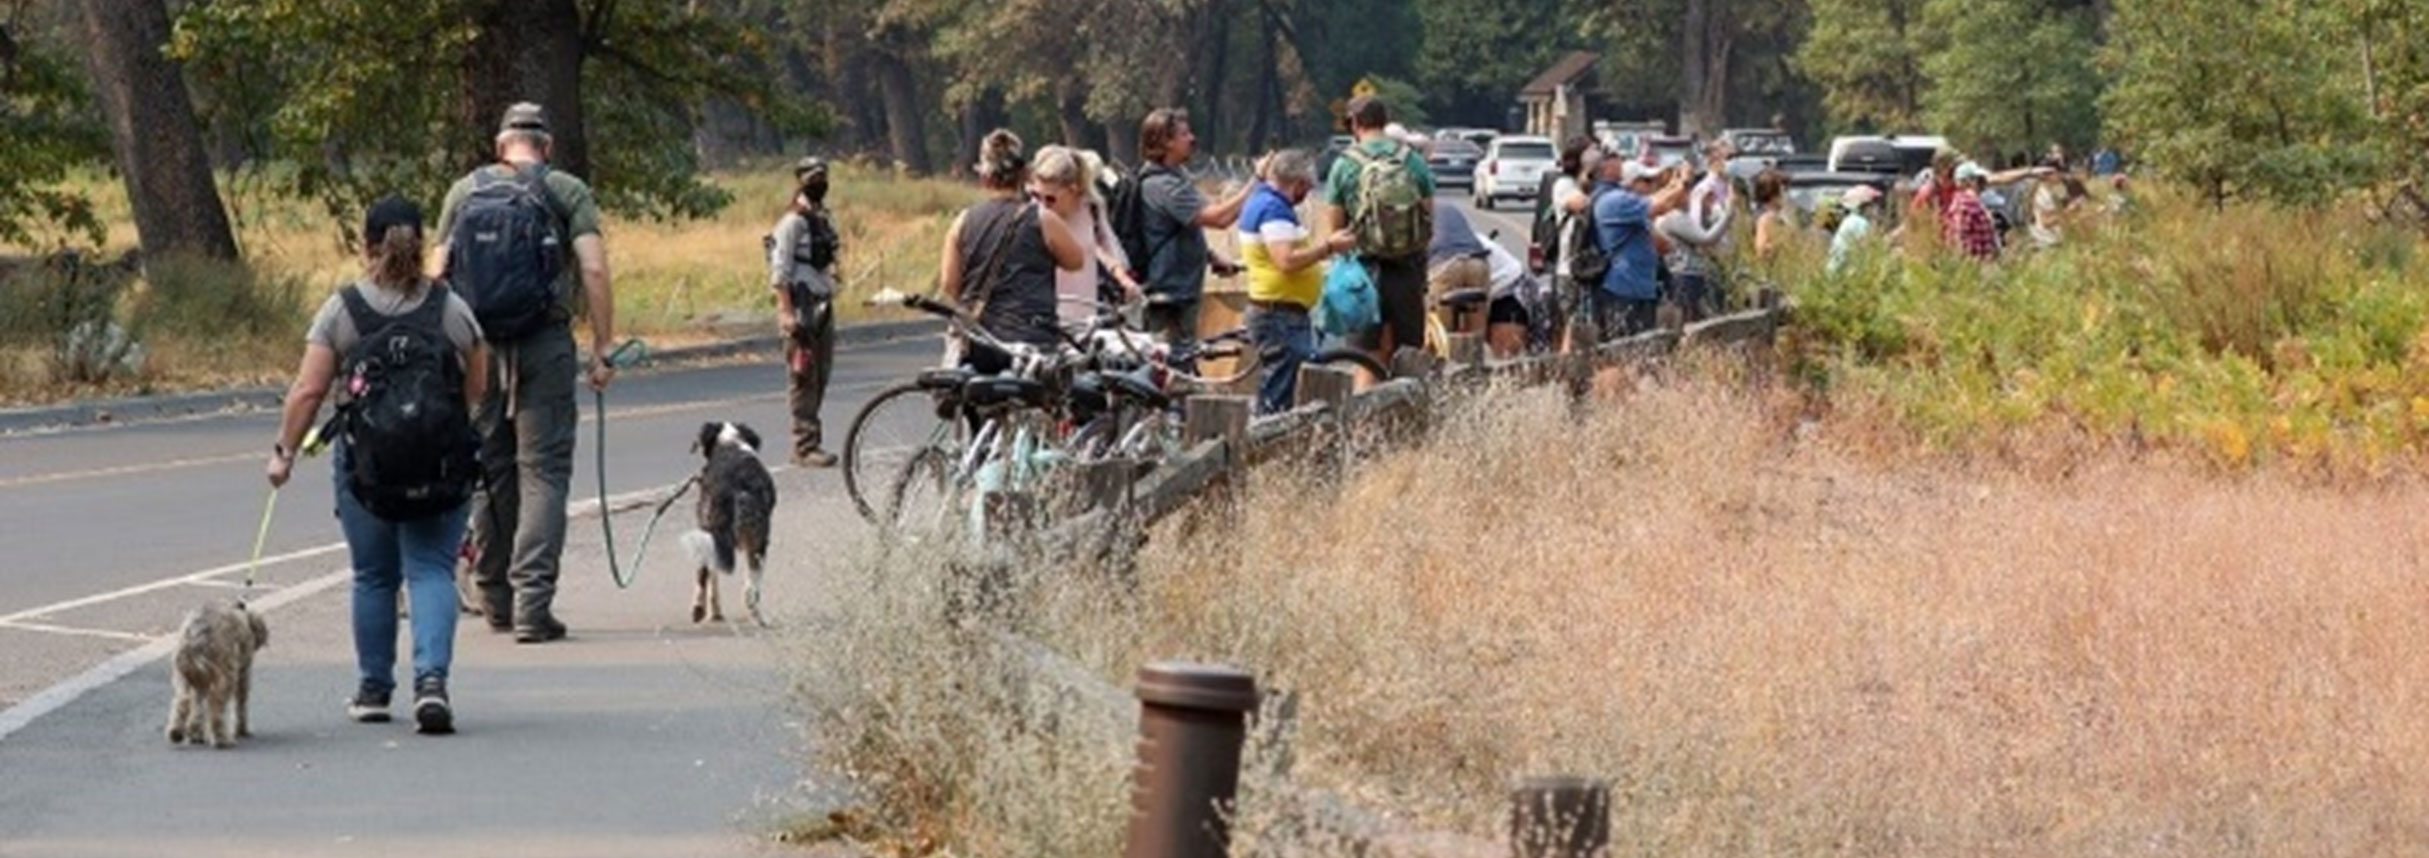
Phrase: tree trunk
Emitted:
{"points": [[1217, 42], [1269, 86], [1071, 110], [906, 122], [1122, 143], [159, 142], [526, 50], [1704, 81]]}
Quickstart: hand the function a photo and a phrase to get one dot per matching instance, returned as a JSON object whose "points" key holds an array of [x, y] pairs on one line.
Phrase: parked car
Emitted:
{"points": [[1479, 137], [1903, 155], [1626, 137], [1512, 169], [1743, 168], [1665, 150], [1453, 161], [1809, 193], [1759, 141]]}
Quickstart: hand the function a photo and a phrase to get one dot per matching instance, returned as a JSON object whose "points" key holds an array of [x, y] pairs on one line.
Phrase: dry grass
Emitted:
{"points": [[1768, 645]]}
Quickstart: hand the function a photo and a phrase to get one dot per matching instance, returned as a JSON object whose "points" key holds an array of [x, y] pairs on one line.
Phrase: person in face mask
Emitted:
{"points": [[803, 252]]}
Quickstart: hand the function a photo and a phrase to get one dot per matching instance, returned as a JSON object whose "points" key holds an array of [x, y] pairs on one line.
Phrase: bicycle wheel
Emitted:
{"points": [[890, 428], [921, 501], [1348, 358]]}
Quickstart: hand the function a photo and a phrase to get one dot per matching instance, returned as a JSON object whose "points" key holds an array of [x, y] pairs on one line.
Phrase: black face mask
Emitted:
{"points": [[815, 189]]}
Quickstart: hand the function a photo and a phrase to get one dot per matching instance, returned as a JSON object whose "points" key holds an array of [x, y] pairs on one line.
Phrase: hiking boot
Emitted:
{"points": [[539, 630], [815, 458], [431, 714], [369, 706]]}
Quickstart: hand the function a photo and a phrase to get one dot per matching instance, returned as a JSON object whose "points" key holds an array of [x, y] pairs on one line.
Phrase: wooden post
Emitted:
{"points": [[1211, 417], [1332, 386], [1560, 817], [1412, 362], [1670, 317], [1107, 482]]}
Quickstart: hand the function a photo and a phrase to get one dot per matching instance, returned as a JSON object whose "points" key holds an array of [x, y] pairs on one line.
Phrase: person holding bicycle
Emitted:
{"points": [[802, 253], [1001, 254]]}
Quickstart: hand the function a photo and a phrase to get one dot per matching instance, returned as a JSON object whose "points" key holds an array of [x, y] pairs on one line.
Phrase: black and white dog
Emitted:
{"points": [[737, 497]]}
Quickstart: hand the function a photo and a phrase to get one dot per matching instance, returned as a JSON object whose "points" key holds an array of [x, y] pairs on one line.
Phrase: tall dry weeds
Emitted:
{"points": [[1769, 647]]}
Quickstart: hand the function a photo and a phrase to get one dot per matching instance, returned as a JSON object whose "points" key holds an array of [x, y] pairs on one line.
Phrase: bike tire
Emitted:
{"points": [[889, 428], [1357, 358], [919, 501]]}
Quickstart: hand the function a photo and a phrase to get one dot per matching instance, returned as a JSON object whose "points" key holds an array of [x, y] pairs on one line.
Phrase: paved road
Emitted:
{"points": [[643, 735]]}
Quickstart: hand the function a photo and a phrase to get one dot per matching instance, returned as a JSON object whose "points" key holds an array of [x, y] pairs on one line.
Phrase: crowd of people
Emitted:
{"points": [[455, 430]]}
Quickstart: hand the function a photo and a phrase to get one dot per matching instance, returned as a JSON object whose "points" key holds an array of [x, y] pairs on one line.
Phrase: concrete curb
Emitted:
{"points": [[153, 409]]}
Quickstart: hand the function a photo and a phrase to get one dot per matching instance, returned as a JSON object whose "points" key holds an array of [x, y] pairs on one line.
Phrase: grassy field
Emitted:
{"points": [[675, 282], [1770, 642], [2254, 335]]}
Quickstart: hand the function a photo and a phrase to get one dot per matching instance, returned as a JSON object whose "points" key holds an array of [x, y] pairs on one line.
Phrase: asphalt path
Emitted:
{"points": [[110, 533]]}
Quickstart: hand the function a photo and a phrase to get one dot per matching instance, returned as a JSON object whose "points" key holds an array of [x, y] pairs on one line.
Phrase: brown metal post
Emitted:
{"points": [[1193, 720], [1560, 817]]}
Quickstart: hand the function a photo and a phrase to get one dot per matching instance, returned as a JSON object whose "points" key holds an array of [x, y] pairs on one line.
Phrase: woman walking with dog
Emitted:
{"points": [[409, 366]]}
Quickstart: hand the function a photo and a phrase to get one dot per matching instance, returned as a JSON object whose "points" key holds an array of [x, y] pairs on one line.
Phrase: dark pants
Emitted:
{"points": [[1694, 295], [1623, 317], [809, 358], [1176, 320], [1400, 290], [527, 425]]}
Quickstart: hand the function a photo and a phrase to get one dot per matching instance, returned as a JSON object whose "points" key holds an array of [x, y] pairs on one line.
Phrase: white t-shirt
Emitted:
{"points": [[1561, 189], [1504, 269], [1075, 291]]}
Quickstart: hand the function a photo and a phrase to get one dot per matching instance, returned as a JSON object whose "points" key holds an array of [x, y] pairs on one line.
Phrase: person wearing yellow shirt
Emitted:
{"points": [[1285, 273]]}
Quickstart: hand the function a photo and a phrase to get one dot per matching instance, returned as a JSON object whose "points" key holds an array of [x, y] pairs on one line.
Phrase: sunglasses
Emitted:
{"points": [[1048, 199]]}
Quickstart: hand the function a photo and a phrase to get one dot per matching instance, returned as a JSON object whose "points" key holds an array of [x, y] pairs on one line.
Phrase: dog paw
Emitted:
{"points": [[177, 736]]}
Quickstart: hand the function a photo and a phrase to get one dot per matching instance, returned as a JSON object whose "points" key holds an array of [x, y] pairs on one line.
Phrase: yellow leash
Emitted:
{"points": [[261, 537]]}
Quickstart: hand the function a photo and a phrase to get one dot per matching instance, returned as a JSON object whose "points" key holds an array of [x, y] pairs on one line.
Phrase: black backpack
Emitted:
{"points": [[1127, 208], [1587, 261], [507, 252], [411, 449]]}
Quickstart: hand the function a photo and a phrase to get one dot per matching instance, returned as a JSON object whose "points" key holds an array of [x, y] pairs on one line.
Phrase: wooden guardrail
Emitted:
{"points": [[1192, 719]]}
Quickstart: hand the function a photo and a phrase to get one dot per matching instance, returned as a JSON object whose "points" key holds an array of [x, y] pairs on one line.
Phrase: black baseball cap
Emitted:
{"points": [[390, 211]]}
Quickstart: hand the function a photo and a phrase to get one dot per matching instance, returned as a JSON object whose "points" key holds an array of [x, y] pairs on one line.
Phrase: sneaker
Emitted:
{"points": [[541, 630], [369, 706], [814, 459], [431, 714]]}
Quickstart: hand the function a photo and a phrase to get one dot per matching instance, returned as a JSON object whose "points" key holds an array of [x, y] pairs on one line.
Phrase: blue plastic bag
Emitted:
{"points": [[1350, 305]]}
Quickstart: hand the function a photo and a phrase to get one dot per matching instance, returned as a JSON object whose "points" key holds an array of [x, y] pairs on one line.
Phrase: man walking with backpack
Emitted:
{"points": [[1381, 190], [513, 236], [802, 255], [1161, 220]]}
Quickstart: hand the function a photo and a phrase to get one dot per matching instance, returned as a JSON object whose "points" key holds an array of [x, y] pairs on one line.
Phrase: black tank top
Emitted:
{"points": [[1019, 297]]}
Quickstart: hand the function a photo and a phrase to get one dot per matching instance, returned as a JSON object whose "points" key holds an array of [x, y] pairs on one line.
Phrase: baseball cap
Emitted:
{"points": [[1859, 196], [1633, 170], [1970, 171], [390, 211], [524, 116], [809, 166]]}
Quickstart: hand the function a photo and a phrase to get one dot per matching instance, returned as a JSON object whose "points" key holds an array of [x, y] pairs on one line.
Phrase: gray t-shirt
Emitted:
{"points": [[1176, 246], [332, 326]]}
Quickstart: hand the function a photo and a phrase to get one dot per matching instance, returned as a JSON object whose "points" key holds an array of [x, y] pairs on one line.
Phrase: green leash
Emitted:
{"points": [[261, 537], [631, 352]]}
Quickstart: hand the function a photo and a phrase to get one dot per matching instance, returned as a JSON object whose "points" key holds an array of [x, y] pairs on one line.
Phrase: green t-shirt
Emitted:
{"points": [[573, 201], [1341, 188]]}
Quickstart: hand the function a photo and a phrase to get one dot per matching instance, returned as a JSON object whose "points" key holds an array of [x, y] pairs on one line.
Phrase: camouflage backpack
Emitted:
{"points": [[1392, 216]]}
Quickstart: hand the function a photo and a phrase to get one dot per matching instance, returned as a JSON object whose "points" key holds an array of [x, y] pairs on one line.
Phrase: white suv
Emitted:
{"points": [[1512, 169]]}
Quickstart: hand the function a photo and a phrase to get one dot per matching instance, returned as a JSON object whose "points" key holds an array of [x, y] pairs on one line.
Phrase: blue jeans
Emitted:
{"points": [[417, 554], [1284, 340]]}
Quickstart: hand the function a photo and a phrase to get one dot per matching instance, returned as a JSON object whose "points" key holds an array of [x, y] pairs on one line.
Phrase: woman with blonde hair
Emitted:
{"points": [[1001, 255], [406, 454], [1065, 180]]}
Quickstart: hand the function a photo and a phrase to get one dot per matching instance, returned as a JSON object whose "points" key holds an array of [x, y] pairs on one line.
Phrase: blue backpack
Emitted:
{"points": [[507, 253], [1349, 305]]}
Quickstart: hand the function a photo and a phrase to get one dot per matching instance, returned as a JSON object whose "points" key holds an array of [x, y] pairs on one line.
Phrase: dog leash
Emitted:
{"points": [[624, 355], [261, 537], [625, 581]]}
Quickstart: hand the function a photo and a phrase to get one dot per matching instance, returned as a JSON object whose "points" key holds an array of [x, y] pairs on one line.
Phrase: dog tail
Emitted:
{"points": [[709, 551]]}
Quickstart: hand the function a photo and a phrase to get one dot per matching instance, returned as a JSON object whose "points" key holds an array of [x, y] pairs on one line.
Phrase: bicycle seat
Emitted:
{"points": [[1002, 390], [1140, 390], [949, 378], [1088, 397], [1464, 299]]}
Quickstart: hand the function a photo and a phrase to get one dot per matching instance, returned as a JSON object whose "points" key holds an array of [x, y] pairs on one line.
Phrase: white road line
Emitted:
{"points": [[166, 583], [124, 470], [51, 699], [64, 630]]}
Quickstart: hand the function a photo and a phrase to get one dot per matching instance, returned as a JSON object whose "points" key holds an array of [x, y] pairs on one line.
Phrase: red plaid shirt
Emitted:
{"points": [[1966, 225]]}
